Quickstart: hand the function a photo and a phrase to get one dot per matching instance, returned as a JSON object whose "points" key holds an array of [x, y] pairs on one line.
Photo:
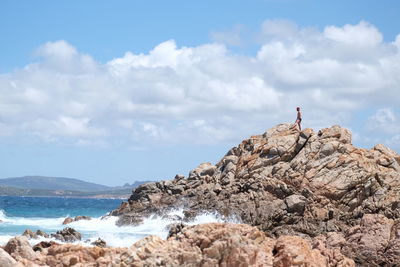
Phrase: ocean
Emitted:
{"points": [[48, 213]]}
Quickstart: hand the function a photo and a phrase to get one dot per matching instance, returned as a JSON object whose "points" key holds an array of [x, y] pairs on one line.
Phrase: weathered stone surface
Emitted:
{"points": [[67, 235], [6, 260], [215, 244], [69, 220], [29, 234], [41, 233], [99, 243], [19, 247], [296, 204], [286, 182]]}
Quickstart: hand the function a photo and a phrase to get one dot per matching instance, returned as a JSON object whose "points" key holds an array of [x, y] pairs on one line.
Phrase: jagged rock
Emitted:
{"points": [[29, 234], [215, 244], [285, 182], [99, 243], [43, 245], [77, 218], [41, 233], [175, 228], [296, 203], [374, 241], [19, 247], [6, 260], [68, 220], [67, 235]]}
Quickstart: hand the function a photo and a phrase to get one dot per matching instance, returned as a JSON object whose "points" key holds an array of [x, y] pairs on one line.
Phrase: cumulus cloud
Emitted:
{"points": [[385, 120], [362, 34], [385, 123], [203, 94]]}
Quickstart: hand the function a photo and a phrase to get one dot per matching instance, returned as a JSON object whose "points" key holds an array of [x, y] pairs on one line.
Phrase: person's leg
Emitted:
{"points": [[297, 123]]}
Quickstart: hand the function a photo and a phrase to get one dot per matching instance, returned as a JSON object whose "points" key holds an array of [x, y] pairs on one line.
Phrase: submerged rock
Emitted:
{"points": [[67, 235], [29, 234], [69, 220], [41, 233], [287, 182]]}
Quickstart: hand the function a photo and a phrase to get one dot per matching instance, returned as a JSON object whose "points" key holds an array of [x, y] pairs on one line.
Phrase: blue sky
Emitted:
{"points": [[118, 91]]}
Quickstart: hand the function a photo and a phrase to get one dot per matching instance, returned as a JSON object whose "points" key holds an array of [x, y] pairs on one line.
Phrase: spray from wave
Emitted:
{"points": [[104, 228]]}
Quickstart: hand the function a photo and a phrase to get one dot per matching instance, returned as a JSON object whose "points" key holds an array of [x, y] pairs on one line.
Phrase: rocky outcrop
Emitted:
{"points": [[67, 235], [287, 182], [217, 244], [30, 234], [99, 243], [77, 218], [19, 248], [6, 260]]}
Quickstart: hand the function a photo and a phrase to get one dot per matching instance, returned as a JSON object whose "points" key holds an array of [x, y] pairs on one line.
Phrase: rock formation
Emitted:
{"points": [[67, 235], [99, 243], [216, 244], [316, 185], [77, 218]]}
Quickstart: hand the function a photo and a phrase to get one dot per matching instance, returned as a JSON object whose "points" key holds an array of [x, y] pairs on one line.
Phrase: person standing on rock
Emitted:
{"points": [[298, 120]]}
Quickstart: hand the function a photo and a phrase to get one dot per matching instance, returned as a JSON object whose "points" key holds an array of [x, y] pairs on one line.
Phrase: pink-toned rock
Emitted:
{"points": [[214, 244], [6, 260], [19, 247], [287, 182], [69, 220], [295, 251]]}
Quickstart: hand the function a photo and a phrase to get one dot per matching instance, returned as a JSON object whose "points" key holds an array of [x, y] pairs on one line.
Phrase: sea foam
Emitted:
{"points": [[104, 228]]}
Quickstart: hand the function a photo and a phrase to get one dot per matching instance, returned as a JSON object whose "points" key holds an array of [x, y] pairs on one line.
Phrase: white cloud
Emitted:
{"points": [[203, 94], [385, 125], [362, 34], [385, 120]]}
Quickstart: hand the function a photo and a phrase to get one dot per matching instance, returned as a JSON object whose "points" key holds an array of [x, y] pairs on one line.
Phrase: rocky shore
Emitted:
{"points": [[315, 185], [215, 244], [302, 199]]}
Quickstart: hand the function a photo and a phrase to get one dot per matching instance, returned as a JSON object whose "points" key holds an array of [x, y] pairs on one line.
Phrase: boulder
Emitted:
{"points": [[99, 243], [77, 218], [67, 235], [43, 245], [68, 220], [295, 204], [6, 260], [41, 233], [29, 234], [19, 247]]}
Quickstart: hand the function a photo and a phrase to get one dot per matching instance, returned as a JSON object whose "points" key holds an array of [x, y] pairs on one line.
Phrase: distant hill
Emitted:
{"points": [[60, 186], [52, 183], [114, 193]]}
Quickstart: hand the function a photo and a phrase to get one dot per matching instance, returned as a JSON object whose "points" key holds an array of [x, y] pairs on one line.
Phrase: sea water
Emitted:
{"points": [[48, 213]]}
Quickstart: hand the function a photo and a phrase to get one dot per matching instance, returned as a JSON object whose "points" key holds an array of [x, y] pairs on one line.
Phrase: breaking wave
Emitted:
{"points": [[105, 228]]}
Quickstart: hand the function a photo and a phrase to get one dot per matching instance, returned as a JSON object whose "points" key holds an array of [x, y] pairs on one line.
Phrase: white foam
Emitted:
{"points": [[106, 229], [2, 215]]}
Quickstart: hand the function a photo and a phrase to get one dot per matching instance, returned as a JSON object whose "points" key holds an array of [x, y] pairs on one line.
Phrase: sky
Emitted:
{"points": [[114, 92]]}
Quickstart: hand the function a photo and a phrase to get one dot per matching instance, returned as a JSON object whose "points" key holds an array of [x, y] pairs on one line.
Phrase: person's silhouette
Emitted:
{"points": [[298, 120]]}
